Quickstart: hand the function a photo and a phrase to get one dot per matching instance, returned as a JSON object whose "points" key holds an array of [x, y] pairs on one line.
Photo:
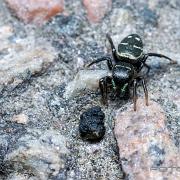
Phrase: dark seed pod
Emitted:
{"points": [[91, 126]]}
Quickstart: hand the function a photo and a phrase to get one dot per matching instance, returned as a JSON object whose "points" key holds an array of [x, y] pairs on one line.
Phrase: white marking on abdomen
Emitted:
{"points": [[137, 47], [138, 39], [124, 43]]}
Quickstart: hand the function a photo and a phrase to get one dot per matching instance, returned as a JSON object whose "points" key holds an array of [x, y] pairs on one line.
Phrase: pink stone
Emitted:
{"points": [[145, 147], [96, 9], [36, 11]]}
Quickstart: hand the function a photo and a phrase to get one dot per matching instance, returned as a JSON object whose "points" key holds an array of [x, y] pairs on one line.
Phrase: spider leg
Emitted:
{"points": [[106, 58], [148, 68], [143, 64], [145, 91], [114, 53], [144, 88], [103, 84], [162, 56], [156, 55], [111, 43], [135, 93]]}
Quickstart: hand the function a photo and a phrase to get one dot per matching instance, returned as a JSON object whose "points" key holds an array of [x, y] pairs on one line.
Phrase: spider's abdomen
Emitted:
{"points": [[131, 47]]}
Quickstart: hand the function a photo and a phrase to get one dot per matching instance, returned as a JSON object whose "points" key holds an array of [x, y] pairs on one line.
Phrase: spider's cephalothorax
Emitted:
{"points": [[128, 62]]}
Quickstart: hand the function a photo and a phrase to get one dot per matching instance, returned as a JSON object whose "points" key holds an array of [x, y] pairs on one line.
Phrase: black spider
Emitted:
{"points": [[125, 72]]}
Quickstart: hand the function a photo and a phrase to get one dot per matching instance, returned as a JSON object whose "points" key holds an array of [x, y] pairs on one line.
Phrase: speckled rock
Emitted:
{"points": [[145, 146], [149, 17], [96, 9], [36, 11], [18, 176], [3, 149], [176, 99], [120, 18], [22, 58], [91, 125], [41, 154]]}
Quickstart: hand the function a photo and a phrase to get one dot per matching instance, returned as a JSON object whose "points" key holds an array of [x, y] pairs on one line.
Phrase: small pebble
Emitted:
{"points": [[20, 119], [91, 126]]}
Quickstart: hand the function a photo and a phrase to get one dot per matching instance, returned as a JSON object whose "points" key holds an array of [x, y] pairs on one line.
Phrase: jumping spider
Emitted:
{"points": [[125, 67]]}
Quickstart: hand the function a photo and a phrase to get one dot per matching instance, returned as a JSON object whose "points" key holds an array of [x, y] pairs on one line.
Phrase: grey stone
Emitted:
{"points": [[24, 57], [39, 153]]}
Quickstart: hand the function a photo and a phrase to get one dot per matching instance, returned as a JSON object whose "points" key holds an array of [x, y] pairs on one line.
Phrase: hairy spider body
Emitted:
{"points": [[125, 67], [122, 76]]}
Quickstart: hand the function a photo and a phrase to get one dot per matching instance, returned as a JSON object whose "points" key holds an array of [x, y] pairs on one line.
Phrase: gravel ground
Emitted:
{"points": [[37, 91]]}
